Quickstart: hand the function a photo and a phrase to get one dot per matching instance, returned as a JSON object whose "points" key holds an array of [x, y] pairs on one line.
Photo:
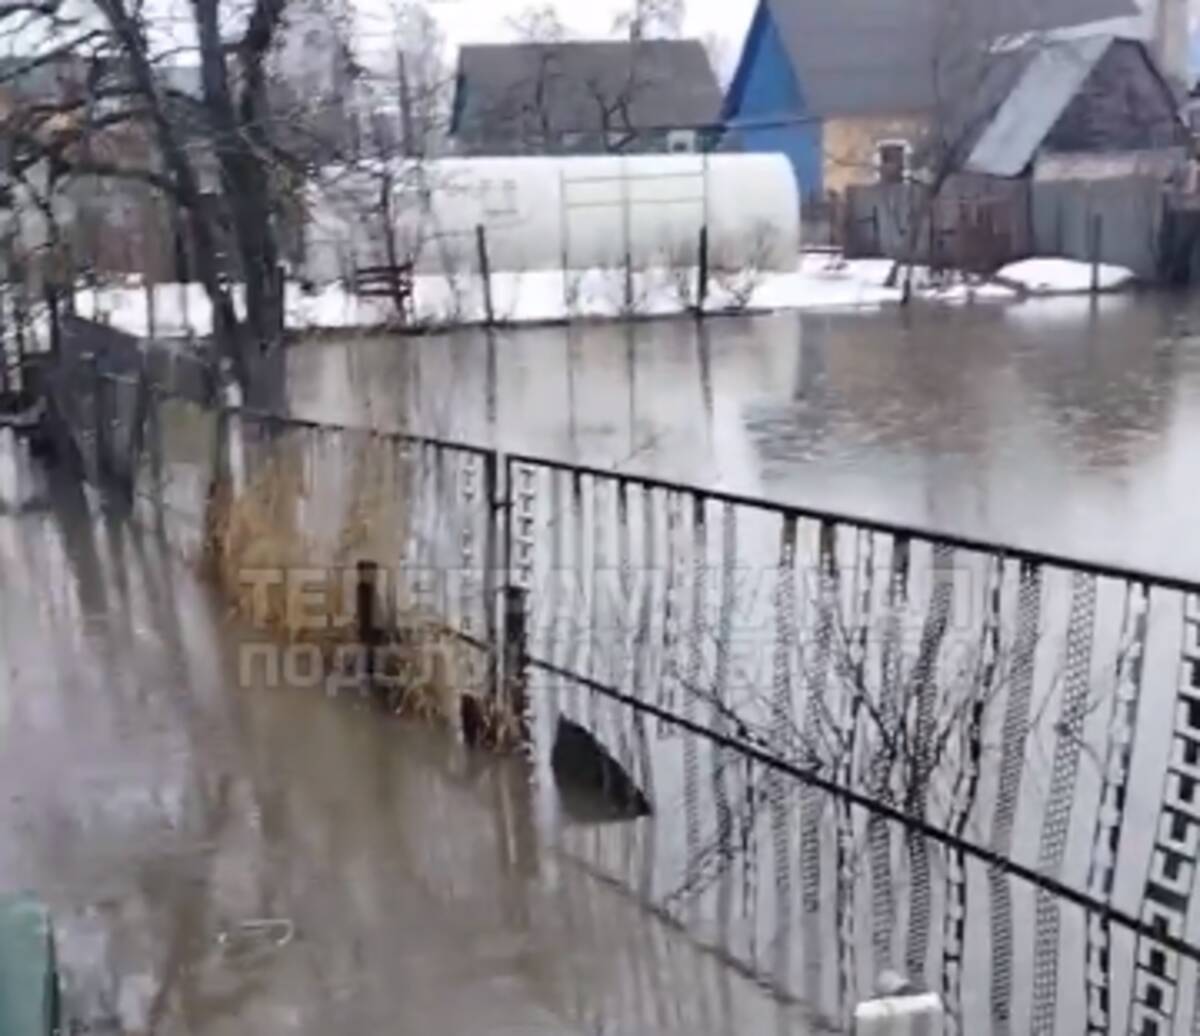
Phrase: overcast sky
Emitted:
{"points": [[487, 21], [478, 21]]}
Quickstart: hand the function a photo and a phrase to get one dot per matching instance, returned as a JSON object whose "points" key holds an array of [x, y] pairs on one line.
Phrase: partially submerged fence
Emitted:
{"points": [[869, 748]]}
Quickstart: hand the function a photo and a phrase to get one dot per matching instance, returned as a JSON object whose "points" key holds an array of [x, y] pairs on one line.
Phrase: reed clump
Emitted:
{"points": [[285, 546]]}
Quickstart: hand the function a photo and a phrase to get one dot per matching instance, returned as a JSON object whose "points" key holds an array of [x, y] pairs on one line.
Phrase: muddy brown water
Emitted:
{"points": [[1062, 425], [226, 856], [230, 858]]}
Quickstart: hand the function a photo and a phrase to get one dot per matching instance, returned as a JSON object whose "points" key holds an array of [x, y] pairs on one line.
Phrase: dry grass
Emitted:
{"points": [[325, 510]]}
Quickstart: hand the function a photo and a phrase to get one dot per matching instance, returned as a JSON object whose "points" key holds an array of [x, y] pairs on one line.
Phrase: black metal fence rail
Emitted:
{"points": [[870, 748], [956, 541], [950, 735]]}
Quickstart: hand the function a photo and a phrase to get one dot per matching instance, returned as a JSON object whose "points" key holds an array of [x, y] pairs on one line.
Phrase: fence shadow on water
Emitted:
{"points": [[872, 751]]}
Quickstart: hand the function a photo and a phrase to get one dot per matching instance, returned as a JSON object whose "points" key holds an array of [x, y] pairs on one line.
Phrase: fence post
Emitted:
{"points": [[491, 489], [184, 315], [20, 313], [52, 311], [3, 338], [485, 273], [91, 366], [702, 279], [368, 572], [151, 322], [1095, 247], [281, 288], [628, 282], [515, 656]]}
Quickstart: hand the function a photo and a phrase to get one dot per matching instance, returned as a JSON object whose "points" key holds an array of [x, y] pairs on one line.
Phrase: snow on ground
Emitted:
{"points": [[819, 282], [1062, 276]]}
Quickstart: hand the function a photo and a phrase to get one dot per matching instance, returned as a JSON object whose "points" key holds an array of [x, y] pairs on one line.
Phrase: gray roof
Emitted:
{"points": [[863, 57], [655, 84], [1051, 78]]}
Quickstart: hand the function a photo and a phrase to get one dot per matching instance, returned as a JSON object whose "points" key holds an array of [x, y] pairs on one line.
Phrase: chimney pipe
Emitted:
{"points": [[1171, 45]]}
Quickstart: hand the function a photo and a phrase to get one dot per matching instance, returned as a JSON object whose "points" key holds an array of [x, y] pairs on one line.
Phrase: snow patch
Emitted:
{"points": [[1063, 276], [819, 283]]}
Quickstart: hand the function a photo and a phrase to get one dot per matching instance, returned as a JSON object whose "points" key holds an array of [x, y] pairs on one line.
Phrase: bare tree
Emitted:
{"points": [[402, 108], [557, 101], [969, 72], [225, 126], [647, 19], [539, 24]]}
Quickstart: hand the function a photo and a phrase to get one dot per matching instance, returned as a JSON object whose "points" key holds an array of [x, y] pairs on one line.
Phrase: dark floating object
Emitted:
{"points": [[593, 784]]}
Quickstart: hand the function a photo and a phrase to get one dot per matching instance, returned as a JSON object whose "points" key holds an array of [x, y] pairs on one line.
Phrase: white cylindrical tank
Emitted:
{"points": [[549, 213]]}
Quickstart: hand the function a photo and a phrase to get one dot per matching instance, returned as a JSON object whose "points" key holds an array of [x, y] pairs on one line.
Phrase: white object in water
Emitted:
{"points": [[899, 1015]]}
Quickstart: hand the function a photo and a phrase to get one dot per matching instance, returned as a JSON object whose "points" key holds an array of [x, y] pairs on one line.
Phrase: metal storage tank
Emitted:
{"points": [[551, 213]]}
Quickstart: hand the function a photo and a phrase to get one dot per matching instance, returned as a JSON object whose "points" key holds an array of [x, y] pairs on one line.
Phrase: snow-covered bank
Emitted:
{"points": [[1062, 277], [820, 282]]}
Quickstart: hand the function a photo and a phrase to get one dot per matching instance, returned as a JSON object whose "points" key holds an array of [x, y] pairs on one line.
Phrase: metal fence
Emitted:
{"points": [[870, 749], [972, 766]]}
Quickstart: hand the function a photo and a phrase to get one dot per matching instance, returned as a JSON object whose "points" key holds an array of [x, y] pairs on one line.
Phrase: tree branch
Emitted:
{"points": [[260, 31]]}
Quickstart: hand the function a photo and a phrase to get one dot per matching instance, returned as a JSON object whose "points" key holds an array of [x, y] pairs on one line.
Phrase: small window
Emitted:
{"points": [[891, 160], [681, 141]]}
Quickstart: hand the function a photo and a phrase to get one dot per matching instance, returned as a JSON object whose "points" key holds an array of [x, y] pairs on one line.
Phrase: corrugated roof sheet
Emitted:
{"points": [[866, 57], [657, 83], [1052, 77]]}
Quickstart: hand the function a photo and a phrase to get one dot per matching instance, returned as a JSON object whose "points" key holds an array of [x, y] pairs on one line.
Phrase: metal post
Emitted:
{"points": [[52, 310], [702, 279], [21, 321], [515, 656], [281, 289], [157, 448], [368, 633], [183, 310], [3, 339], [494, 506], [485, 273], [91, 366], [136, 439], [564, 231], [627, 235], [1096, 246], [151, 322]]}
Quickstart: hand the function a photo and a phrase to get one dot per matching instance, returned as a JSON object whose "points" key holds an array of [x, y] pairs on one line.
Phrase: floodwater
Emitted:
{"points": [[1062, 425], [224, 856]]}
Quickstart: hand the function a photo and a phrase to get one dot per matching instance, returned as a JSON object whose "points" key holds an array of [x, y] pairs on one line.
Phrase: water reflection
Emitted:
{"points": [[224, 856], [1065, 425]]}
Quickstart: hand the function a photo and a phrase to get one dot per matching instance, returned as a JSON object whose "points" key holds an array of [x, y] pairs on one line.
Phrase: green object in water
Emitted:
{"points": [[28, 973]]}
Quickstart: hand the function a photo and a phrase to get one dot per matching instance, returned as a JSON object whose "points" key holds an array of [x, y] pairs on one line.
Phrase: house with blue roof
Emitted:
{"points": [[849, 89]]}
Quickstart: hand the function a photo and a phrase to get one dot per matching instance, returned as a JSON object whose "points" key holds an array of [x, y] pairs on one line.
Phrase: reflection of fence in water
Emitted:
{"points": [[996, 697], [167, 449], [1029, 849]]}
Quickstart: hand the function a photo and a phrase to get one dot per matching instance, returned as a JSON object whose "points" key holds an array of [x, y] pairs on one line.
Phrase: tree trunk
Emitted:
{"points": [[240, 145]]}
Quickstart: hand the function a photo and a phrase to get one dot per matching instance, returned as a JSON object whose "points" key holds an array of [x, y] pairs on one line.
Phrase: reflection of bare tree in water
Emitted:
{"points": [[906, 723]]}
